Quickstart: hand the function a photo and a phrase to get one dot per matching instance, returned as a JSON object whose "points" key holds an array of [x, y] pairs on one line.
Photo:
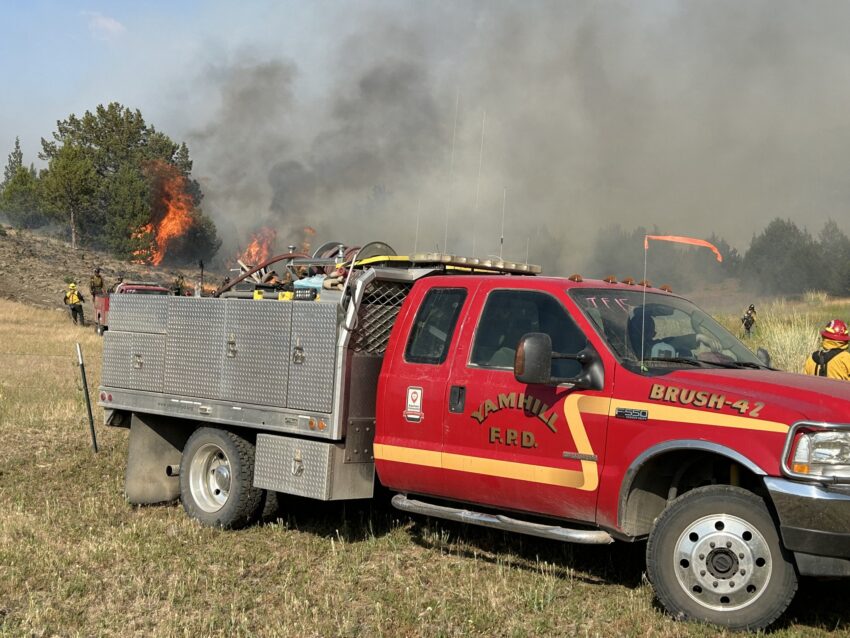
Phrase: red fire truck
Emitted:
{"points": [[101, 302], [478, 391]]}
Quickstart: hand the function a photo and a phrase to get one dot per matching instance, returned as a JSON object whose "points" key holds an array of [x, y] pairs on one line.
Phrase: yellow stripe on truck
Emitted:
{"points": [[586, 479], [479, 465], [659, 412]]}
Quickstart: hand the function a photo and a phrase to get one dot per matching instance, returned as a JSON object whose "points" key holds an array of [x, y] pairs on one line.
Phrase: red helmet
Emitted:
{"points": [[835, 330]]}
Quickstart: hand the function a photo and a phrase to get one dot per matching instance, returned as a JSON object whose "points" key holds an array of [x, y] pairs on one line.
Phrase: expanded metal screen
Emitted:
{"points": [[378, 311]]}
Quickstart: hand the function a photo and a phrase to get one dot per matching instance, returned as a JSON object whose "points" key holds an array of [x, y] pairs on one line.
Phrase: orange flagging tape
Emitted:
{"points": [[683, 240]]}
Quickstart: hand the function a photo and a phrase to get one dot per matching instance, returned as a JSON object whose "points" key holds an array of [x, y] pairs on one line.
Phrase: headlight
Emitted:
{"points": [[818, 450]]}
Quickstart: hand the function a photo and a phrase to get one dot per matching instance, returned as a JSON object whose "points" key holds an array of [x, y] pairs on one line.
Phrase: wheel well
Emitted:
{"points": [[666, 476]]}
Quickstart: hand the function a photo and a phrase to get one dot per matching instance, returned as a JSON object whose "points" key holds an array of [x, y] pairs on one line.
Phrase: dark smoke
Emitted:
{"points": [[692, 117]]}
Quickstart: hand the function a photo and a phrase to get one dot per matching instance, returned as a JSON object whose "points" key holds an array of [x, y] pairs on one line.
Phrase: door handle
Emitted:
{"points": [[457, 398]]}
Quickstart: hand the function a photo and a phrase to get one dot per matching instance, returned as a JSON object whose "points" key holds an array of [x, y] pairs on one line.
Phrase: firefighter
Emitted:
{"points": [[179, 285], [118, 282], [749, 320], [833, 358], [96, 284], [74, 301]]}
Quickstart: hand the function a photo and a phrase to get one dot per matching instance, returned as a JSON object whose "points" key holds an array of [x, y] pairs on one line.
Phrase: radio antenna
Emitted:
{"points": [[478, 181], [416, 236], [502, 236], [451, 175]]}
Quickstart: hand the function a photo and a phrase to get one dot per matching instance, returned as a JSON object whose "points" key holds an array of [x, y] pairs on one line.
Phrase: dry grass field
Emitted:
{"points": [[76, 560], [790, 330]]}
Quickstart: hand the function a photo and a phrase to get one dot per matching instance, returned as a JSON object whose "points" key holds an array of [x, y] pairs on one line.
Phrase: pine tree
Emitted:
{"points": [[16, 161], [69, 187]]}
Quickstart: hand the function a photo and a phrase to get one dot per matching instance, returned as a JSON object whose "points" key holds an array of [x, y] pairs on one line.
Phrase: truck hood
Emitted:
{"points": [[787, 397]]}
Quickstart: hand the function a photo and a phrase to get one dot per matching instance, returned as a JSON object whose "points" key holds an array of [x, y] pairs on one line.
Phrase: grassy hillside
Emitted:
{"points": [[76, 560]]}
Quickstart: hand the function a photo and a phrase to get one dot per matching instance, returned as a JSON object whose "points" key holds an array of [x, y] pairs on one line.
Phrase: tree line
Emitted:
{"points": [[782, 259], [103, 182]]}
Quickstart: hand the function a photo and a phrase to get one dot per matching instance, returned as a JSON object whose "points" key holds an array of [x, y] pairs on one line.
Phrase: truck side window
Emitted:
{"points": [[510, 314], [434, 326]]}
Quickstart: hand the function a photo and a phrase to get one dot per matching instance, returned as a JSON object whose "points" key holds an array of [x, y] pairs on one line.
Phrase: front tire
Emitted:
{"points": [[216, 479], [714, 556]]}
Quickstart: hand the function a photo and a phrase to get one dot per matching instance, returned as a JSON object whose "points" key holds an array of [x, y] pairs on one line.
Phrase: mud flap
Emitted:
{"points": [[155, 443]]}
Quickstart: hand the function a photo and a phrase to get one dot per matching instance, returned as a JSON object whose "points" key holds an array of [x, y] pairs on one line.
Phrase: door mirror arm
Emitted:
{"points": [[533, 363]]}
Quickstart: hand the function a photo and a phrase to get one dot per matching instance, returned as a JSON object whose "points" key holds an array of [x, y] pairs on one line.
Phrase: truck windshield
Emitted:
{"points": [[656, 331]]}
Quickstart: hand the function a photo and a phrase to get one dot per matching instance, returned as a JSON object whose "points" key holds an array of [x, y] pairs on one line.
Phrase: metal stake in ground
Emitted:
{"points": [[88, 398]]}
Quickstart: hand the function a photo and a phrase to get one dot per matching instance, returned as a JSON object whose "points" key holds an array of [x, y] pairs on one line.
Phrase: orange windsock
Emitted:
{"points": [[683, 240]]}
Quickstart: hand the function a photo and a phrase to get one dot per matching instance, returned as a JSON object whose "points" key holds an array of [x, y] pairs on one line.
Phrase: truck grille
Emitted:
{"points": [[378, 311]]}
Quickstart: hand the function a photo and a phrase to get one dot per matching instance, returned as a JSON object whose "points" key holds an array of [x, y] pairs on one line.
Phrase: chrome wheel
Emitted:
{"points": [[722, 562], [209, 477]]}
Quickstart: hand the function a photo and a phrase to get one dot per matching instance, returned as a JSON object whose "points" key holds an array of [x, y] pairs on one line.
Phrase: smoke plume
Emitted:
{"points": [[569, 116]]}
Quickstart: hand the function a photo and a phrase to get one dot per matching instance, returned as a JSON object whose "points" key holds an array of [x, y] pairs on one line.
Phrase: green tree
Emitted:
{"points": [[19, 199], [69, 187], [121, 147], [15, 162], [127, 195], [834, 249], [783, 259]]}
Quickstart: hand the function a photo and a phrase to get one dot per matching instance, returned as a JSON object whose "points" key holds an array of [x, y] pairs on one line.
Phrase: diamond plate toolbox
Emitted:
{"points": [[313, 357], [117, 359], [255, 368], [138, 313], [195, 347], [294, 466], [133, 360]]}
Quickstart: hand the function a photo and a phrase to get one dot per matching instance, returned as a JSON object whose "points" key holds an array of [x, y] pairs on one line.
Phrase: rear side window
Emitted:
{"points": [[434, 326], [510, 314]]}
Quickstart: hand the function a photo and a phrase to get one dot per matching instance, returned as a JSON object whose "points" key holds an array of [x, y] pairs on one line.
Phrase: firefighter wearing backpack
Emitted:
{"points": [[74, 301], [833, 358]]}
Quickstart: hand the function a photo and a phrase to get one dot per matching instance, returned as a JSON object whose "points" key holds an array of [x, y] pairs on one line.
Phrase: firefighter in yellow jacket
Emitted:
{"points": [[74, 301], [833, 358]]}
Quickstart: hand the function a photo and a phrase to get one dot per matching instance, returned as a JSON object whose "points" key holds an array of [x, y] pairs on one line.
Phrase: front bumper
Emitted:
{"points": [[814, 522]]}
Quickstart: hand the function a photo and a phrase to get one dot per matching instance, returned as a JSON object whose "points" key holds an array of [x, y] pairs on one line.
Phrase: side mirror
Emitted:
{"points": [[764, 356], [533, 359]]}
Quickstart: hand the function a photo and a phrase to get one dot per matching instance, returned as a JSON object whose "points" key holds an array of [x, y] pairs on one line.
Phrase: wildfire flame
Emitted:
{"points": [[173, 207], [309, 233], [260, 247]]}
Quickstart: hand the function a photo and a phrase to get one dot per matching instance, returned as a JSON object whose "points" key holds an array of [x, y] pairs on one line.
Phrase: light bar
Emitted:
{"points": [[475, 263]]}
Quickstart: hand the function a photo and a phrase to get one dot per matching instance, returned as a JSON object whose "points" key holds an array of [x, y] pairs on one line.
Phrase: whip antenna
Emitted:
{"points": [[416, 236], [451, 175], [478, 181], [502, 236]]}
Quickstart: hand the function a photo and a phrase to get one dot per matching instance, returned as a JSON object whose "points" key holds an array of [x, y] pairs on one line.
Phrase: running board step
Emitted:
{"points": [[497, 521]]}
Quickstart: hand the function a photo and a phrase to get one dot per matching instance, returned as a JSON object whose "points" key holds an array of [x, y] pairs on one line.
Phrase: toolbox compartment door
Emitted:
{"points": [[312, 361], [255, 368], [133, 360], [195, 347]]}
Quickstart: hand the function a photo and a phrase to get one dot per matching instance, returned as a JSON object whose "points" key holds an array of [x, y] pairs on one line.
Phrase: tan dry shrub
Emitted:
{"points": [[789, 333], [816, 297]]}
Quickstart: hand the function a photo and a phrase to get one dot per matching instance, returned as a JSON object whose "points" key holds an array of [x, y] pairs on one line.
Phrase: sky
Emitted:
{"points": [[426, 123]]}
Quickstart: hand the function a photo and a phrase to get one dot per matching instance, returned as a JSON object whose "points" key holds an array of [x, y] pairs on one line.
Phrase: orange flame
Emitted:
{"points": [[260, 247], [309, 233], [142, 255], [172, 206]]}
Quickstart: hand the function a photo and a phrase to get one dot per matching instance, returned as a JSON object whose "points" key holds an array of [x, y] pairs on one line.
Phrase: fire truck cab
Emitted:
{"points": [[582, 411]]}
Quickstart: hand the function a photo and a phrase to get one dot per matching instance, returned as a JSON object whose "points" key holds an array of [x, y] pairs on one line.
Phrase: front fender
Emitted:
{"points": [[686, 445]]}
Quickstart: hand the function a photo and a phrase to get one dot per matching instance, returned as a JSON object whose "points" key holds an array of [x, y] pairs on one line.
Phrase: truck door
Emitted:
{"points": [[413, 390], [535, 448]]}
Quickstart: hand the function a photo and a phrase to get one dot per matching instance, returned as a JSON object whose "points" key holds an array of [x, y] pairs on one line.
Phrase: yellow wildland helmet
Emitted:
{"points": [[72, 286]]}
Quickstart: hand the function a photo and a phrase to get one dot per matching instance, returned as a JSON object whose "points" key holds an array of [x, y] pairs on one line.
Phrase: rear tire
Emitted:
{"points": [[216, 479], [714, 556]]}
